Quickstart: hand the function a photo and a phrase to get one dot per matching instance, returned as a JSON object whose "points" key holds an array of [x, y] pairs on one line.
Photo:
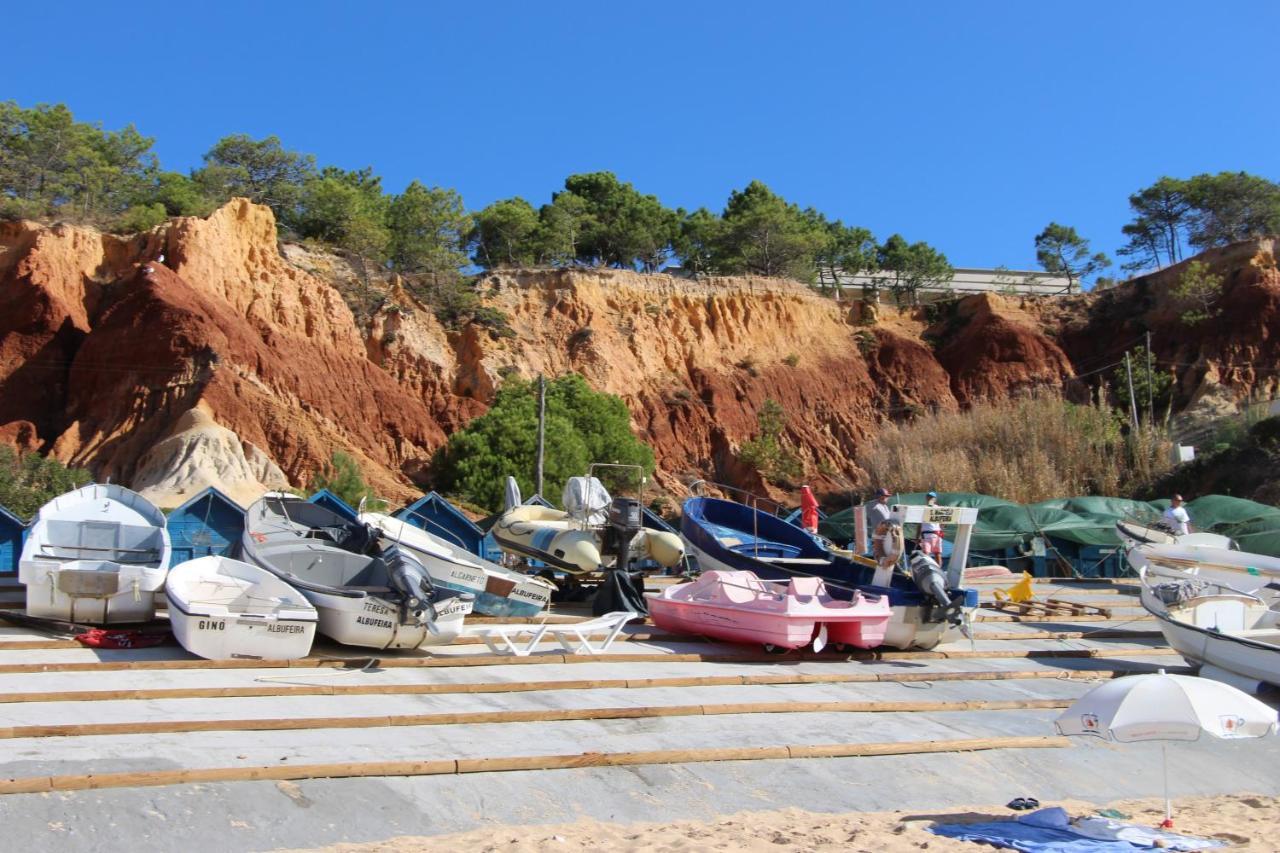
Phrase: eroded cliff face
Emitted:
{"points": [[230, 364]]}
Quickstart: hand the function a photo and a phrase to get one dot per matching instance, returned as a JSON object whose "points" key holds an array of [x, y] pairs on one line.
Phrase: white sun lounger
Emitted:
{"points": [[572, 636]]}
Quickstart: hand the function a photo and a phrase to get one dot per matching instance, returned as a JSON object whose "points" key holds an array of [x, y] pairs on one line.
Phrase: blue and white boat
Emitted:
{"points": [[730, 536], [498, 591]]}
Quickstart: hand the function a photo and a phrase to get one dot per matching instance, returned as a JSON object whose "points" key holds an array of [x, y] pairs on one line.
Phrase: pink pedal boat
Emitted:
{"points": [[740, 607]]}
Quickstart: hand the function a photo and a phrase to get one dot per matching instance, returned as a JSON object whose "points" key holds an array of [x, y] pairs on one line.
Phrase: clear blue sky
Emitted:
{"points": [[969, 125]]}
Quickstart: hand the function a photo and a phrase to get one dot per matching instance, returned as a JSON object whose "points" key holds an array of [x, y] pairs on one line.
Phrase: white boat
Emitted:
{"points": [[498, 591], [97, 555], [368, 596], [1159, 533], [1239, 570], [223, 609], [1232, 636]]}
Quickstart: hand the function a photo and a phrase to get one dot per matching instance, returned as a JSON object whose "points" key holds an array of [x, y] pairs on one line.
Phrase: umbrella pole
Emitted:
{"points": [[1168, 805]]}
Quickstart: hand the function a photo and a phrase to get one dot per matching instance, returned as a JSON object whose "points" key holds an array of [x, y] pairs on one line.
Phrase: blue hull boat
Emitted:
{"points": [[731, 536]]}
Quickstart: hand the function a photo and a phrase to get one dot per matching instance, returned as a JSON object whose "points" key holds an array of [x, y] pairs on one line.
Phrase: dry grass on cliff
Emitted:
{"points": [[1026, 449]]}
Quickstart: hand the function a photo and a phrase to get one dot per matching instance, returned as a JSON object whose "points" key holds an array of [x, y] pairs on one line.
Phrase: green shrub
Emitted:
{"points": [[28, 480]]}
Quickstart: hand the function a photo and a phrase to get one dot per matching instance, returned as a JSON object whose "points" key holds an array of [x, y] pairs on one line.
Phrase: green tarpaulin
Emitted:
{"points": [[1088, 520]]}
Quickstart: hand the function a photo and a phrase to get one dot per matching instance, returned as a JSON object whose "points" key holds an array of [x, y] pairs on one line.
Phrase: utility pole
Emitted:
{"points": [[542, 432], [1133, 403], [1151, 381]]}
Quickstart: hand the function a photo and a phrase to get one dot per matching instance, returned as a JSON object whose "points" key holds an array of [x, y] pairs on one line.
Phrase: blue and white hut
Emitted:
{"points": [[333, 503], [12, 530], [210, 524], [433, 513]]}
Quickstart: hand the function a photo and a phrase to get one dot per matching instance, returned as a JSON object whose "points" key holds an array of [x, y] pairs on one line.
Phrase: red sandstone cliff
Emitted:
{"points": [[228, 365]]}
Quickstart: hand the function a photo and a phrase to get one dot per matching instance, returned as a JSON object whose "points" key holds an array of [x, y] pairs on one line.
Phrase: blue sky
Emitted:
{"points": [[969, 125]]}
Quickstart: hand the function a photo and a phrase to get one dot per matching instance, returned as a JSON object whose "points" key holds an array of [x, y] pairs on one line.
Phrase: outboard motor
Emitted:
{"points": [[932, 581], [929, 578], [625, 522], [408, 577], [622, 590]]}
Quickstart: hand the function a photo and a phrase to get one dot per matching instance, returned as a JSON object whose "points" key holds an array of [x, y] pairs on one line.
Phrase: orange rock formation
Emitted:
{"points": [[140, 369]]}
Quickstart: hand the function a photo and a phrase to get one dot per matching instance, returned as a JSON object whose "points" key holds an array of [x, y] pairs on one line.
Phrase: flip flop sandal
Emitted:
{"points": [[1017, 804]]}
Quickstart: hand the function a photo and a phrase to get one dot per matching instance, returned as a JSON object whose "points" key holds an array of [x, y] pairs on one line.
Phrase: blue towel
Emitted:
{"points": [[1029, 838], [1050, 830]]}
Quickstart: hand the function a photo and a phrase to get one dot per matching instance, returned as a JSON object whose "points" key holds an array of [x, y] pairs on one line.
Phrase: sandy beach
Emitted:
{"points": [[1246, 822]]}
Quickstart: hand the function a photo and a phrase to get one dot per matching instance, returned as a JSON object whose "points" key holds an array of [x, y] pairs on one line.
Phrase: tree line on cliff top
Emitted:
{"points": [[52, 166]]}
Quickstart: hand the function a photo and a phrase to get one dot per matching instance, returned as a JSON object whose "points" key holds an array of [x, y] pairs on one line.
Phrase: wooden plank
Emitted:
{"points": [[522, 716], [435, 689], [554, 659], [138, 779], [1007, 617]]}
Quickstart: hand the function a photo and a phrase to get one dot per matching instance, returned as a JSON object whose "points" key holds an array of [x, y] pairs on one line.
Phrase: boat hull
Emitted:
{"points": [[1244, 662], [739, 607], [97, 555], [908, 628], [1239, 570], [232, 636], [374, 623], [498, 591]]}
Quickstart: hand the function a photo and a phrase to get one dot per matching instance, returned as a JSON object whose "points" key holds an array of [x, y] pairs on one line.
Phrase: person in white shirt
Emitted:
{"points": [[1176, 516], [931, 532]]}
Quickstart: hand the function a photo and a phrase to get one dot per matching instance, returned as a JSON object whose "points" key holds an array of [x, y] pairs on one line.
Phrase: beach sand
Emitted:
{"points": [[1245, 821]]}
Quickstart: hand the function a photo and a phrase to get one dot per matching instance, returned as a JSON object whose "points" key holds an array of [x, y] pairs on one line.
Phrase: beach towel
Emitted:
{"points": [[1050, 830]]}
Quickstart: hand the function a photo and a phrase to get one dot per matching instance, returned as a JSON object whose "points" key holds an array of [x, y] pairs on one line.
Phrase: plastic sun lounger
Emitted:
{"points": [[573, 636]]}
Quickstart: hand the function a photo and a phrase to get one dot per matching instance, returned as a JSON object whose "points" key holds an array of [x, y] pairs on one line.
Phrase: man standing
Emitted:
{"points": [[877, 512], [1176, 516]]}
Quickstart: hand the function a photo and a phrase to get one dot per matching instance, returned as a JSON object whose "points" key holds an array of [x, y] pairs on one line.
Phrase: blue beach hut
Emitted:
{"points": [[433, 513], [333, 503], [11, 533], [209, 524]]}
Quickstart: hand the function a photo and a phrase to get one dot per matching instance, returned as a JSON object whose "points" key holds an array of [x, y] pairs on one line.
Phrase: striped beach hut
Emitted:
{"points": [[333, 503], [12, 529], [433, 513], [209, 524]]}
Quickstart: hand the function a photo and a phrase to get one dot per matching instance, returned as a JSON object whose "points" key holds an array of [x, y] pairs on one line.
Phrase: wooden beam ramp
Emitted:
{"points": [[261, 724], [91, 781], [490, 687], [549, 659]]}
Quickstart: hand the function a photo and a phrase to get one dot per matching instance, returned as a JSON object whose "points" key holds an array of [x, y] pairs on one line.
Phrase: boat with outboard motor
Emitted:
{"points": [[740, 607], [96, 555], [221, 609], [592, 529], [927, 602], [498, 591], [365, 594], [1232, 635]]}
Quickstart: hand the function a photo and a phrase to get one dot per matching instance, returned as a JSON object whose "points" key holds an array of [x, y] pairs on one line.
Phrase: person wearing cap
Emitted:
{"points": [[1176, 516], [931, 531], [878, 512]]}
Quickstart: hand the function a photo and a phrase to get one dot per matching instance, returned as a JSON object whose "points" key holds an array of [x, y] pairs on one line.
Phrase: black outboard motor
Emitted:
{"points": [[622, 589], [932, 581], [625, 521], [408, 577]]}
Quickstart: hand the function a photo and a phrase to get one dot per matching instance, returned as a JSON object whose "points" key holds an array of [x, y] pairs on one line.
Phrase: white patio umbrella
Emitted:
{"points": [[1166, 707]]}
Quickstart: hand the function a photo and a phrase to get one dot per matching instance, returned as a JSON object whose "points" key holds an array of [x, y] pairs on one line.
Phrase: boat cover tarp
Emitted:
{"points": [[586, 499], [1052, 831], [1087, 520]]}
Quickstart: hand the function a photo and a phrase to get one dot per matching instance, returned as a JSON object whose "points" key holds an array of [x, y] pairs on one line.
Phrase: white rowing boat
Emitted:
{"points": [[221, 609]]}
